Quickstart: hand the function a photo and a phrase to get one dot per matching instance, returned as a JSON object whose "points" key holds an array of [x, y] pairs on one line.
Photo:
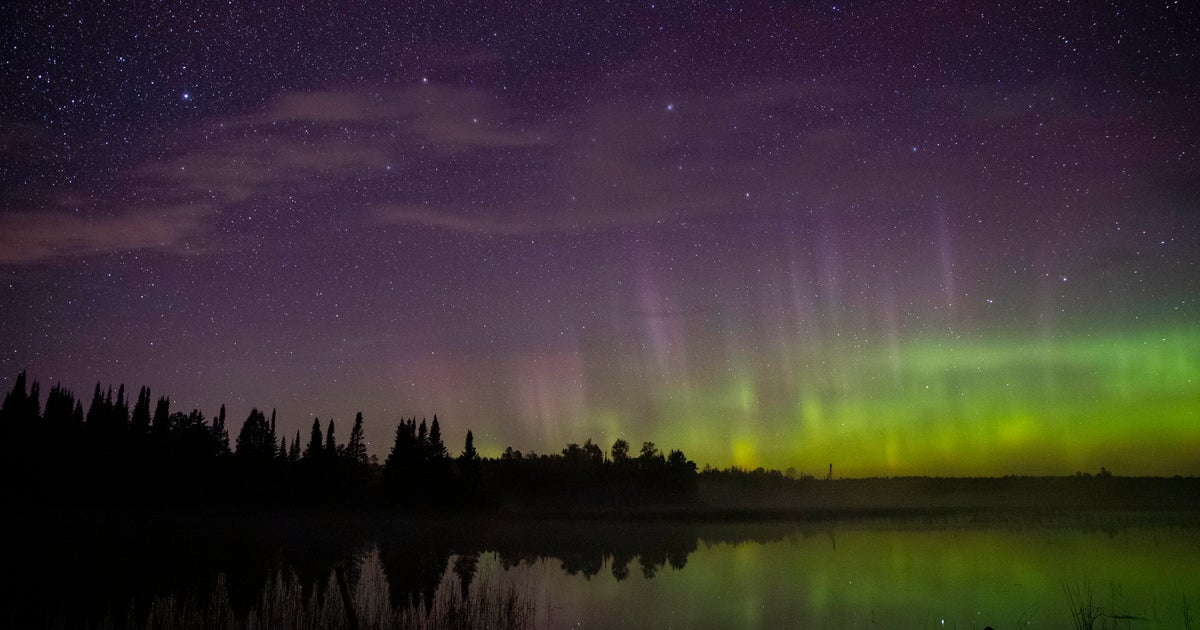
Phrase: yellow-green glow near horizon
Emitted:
{"points": [[1127, 402]]}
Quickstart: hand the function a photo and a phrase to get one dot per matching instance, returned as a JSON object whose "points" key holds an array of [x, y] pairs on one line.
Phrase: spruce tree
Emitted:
{"points": [[161, 424], [220, 433], [330, 443], [14, 401], [294, 451], [140, 421], [437, 449], [312, 452], [356, 447], [121, 408]]}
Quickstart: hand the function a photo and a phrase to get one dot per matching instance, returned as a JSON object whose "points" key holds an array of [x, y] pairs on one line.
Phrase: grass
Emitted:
{"points": [[1087, 615]]}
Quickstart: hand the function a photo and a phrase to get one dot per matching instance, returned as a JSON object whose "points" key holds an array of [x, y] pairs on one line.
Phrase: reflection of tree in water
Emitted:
{"points": [[465, 568], [413, 570], [620, 564], [114, 565], [585, 548]]}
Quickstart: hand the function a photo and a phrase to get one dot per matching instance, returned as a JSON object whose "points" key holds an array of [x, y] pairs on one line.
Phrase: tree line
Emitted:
{"points": [[123, 450]]}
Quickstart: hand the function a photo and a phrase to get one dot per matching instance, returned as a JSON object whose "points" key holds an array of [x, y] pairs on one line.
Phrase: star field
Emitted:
{"points": [[901, 237]]}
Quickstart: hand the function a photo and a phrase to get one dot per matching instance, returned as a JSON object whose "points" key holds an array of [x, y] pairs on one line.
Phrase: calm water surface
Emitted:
{"points": [[889, 578], [925, 573]]}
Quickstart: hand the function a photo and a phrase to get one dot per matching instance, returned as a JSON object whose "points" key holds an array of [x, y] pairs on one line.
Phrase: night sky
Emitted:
{"points": [[898, 237]]}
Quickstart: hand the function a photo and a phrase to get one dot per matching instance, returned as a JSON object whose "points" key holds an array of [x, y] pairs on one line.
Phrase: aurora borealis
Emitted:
{"points": [[898, 237]]}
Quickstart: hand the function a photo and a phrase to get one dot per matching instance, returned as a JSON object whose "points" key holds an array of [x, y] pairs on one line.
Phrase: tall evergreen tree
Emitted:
{"points": [[139, 422], [469, 460], [437, 449], [33, 409], [14, 402], [160, 425], [121, 408], [96, 412], [356, 447], [254, 441], [312, 452], [294, 450], [330, 443], [220, 434]]}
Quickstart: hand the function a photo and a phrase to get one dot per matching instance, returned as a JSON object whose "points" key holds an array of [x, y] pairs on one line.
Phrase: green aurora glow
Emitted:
{"points": [[1129, 402]]}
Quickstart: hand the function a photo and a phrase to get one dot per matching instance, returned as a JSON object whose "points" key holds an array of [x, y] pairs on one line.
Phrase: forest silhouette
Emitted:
{"points": [[128, 451], [138, 451]]}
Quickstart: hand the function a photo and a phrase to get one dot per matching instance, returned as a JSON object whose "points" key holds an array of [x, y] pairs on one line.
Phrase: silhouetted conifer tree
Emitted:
{"points": [[161, 423], [331, 451], [356, 447], [469, 460], [437, 448], [254, 442], [139, 422], [312, 452], [220, 434], [14, 402], [294, 451], [33, 409], [96, 410], [121, 408]]}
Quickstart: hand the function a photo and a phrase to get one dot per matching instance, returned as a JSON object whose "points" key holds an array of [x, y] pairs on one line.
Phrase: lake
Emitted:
{"points": [[1120, 570]]}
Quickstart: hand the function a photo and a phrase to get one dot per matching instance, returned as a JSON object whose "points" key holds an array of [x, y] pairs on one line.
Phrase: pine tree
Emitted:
{"points": [[121, 408], [294, 452], [469, 453], [330, 443], [312, 452], [161, 424], [220, 433], [356, 448], [437, 449], [468, 460], [14, 403], [33, 409], [140, 421], [96, 412]]}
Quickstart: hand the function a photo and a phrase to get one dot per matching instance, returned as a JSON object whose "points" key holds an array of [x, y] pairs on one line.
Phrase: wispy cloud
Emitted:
{"points": [[33, 236]]}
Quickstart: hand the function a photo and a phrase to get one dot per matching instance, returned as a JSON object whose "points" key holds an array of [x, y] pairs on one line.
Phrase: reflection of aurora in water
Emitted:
{"points": [[907, 578]]}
